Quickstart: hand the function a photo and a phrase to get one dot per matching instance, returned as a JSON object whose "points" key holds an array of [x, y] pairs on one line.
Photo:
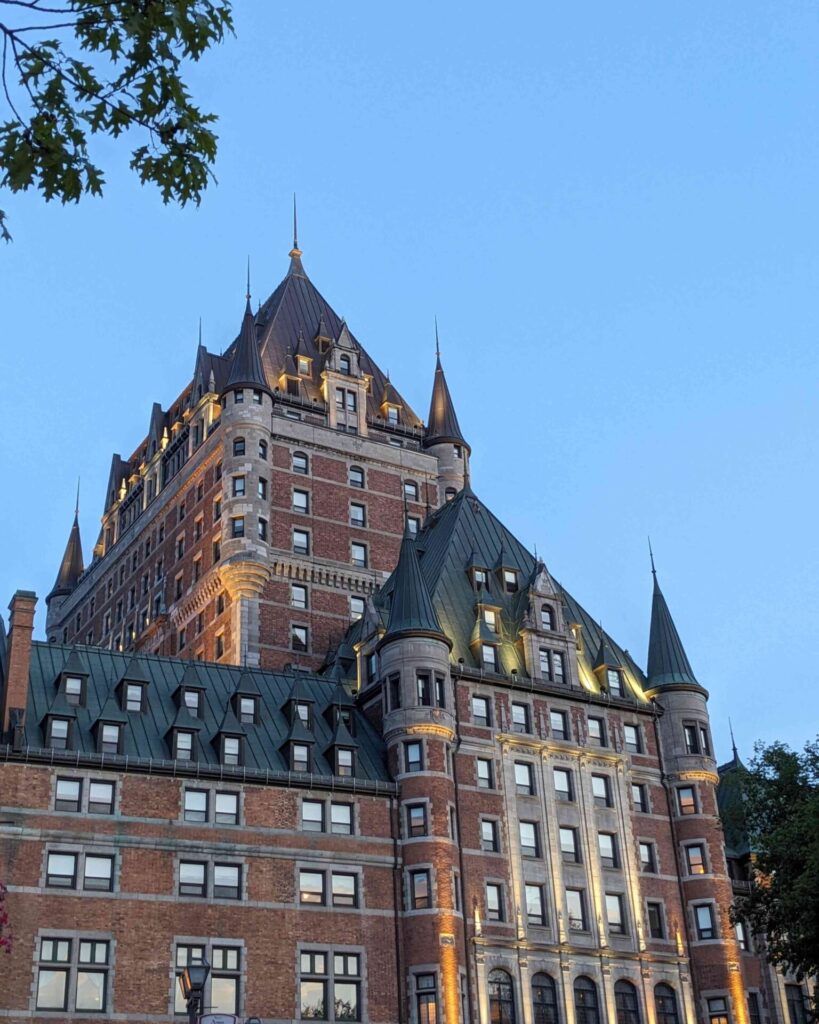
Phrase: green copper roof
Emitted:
{"points": [[71, 567], [246, 368], [411, 610], [667, 661], [731, 807], [443, 423]]}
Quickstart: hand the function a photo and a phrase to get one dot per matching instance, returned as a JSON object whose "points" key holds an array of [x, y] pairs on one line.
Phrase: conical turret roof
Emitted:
{"points": [[667, 661], [411, 610], [246, 368], [442, 424], [71, 566]]}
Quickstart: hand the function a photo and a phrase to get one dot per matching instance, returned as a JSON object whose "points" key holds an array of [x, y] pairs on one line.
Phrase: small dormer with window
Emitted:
{"points": [[72, 681], [341, 752], [341, 710], [247, 699], [189, 695], [59, 722], [299, 706], [229, 740], [342, 386], [132, 687], [608, 669], [478, 573], [109, 728], [391, 407], [297, 748], [323, 338], [182, 736]]}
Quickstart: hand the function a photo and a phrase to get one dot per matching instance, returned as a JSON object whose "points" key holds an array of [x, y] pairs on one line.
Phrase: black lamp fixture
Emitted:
{"points": [[193, 980]]}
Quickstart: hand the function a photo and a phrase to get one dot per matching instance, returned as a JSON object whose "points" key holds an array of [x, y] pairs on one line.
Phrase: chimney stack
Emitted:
{"points": [[18, 650]]}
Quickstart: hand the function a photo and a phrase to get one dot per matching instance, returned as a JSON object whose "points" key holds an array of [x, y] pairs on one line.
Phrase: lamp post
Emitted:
{"points": [[193, 987]]}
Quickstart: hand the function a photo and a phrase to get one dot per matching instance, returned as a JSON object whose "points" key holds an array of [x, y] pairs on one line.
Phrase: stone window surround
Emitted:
{"points": [[328, 868], [211, 788], [329, 950], [195, 940], [209, 859], [85, 776], [323, 798], [75, 938]]}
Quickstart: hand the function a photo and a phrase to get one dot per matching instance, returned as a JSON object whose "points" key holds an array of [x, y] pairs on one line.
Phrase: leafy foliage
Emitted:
{"points": [[6, 938], [112, 66], [781, 809]]}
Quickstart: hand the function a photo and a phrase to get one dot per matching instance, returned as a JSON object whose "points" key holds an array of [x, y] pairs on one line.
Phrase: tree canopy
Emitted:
{"points": [[781, 810], [76, 68]]}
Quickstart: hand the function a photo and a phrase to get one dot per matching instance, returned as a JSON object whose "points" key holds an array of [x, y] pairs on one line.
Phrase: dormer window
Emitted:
{"points": [[489, 657], [299, 757], [302, 709], [247, 710], [450, 493], [134, 695], [345, 759], [74, 694], [293, 387], [110, 738], [480, 577], [490, 618], [614, 681], [547, 617], [392, 415], [192, 700], [57, 737], [344, 365], [510, 581], [304, 366], [231, 750], [183, 745]]}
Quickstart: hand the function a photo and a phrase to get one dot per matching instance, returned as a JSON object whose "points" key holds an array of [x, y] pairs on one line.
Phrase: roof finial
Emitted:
{"points": [[733, 742], [437, 346], [295, 252], [77, 505], [295, 224], [200, 331], [247, 293], [651, 556]]}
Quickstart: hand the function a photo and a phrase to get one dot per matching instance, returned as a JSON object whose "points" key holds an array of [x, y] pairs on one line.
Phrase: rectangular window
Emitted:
{"points": [[576, 908], [489, 657], [494, 902], [563, 784], [648, 859], [311, 887], [227, 880], [569, 846], [705, 742], [420, 894], [695, 859], [192, 878], [615, 914], [247, 710], [301, 542], [559, 725], [226, 809], [312, 815], [341, 819], [480, 711], [510, 581], [224, 978], [520, 717], [416, 820], [686, 800], [597, 731], [524, 778], [423, 687], [196, 805], [98, 873], [601, 789], [489, 836], [68, 794], [704, 917], [413, 756], [133, 697], [356, 608], [344, 890], [358, 514], [615, 682], [237, 526], [359, 554], [692, 743], [529, 839], [298, 595], [490, 619], [183, 745], [483, 773], [754, 1014], [231, 750], [61, 872], [299, 757], [101, 797], [301, 501], [656, 928], [73, 691], [607, 845], [298, 638], [535, 904], [633, 741], [639, 797], [56, 964], [742, 936], [718, 1010]]}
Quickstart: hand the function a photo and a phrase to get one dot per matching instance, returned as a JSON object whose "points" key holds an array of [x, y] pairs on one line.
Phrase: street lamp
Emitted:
{"points": [[193, 980]]}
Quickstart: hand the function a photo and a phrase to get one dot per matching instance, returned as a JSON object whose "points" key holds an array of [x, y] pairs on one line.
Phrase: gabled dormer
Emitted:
{"points": [[342, 355], [72, 680], [487, 626], [303, 359], [182, 735], [289, 379], [247, 699], [323, 337], [189, 694], [608, 669], [544, 610], [341, 709], [230, 738], [156, 430], [391, 407], [506, 572], [109, 728], [59, 722], [299, 705], [297, 747], [478, 573], [132, 687], [341, 751]]}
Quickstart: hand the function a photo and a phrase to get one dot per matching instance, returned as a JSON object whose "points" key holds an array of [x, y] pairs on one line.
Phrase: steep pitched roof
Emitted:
{"points": [[71, 566], [442, 424], [411, 610], [246, 367], [668, 663], [730, 803]]}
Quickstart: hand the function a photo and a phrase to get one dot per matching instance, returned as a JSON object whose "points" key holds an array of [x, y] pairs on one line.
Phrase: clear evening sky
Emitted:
{"points": [[613, 209]]}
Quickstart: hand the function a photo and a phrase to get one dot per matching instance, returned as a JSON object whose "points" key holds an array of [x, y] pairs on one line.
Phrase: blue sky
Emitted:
{"points": [[613, 210]]}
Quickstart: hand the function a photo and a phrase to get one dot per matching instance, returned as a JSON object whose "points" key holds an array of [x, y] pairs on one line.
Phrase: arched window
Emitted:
{"points": [[547, 617], [544, 999], [411, 490], [344, 364], [501, 998], [585, 1001], [238, 446], [665, 1002], [627, 1003]]}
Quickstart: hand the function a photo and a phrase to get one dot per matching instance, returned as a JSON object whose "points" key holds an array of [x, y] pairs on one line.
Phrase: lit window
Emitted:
{"points": [[686, 800], [695, 858]]}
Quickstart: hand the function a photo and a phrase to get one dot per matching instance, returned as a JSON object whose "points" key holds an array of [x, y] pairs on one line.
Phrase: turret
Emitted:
{"points": [[443, 437], [419, 728], [71, 568], [247, 407], [690, 775]]}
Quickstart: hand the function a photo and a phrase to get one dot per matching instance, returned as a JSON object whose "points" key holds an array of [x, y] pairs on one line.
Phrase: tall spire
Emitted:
{"points": [[295, 253], [667, 661], [411, 609], [733, 741], [72, 565], [247, 289], [246, 368], [442, 424]]}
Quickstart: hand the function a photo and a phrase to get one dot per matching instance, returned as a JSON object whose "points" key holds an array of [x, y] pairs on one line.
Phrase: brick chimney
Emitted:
{"points": [[18, 650]]}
